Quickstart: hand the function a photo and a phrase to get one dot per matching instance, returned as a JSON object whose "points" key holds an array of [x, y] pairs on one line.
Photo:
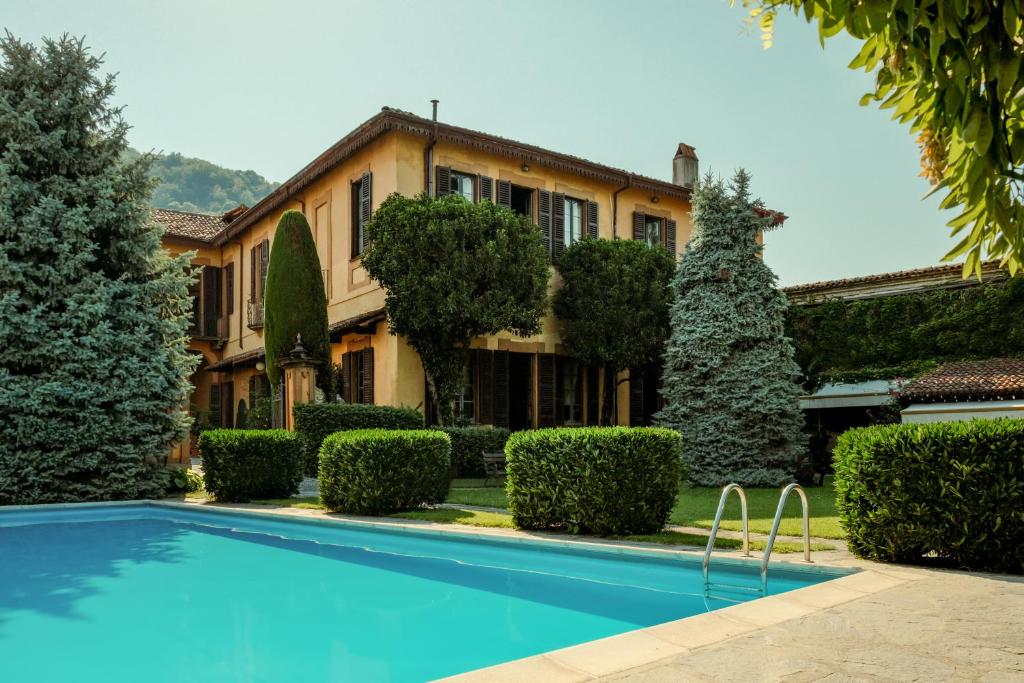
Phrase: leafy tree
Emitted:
{"points": [[453, 270], [199, 186], [730, 380], [94, 315], [295, 301], [951, 70], [613, 305]]}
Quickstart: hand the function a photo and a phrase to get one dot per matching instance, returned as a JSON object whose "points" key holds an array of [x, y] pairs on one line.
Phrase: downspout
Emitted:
{"points": [[428, 155], [615, 205]]}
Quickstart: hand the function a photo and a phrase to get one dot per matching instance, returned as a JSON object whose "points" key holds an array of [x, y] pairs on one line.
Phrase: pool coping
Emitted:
{"points": [[614, 654]]}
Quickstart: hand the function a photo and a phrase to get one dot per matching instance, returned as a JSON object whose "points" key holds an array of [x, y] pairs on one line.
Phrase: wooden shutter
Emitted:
{"points": [[366, 389], [546, 372], [252, 274], [215, 405], [443, 185], [264, 264], [485, 386], [505, 193], [592, 219], [211, 300], [365, 204], [486, 185], [229, 288], [639, 229], [557, 224], [228, 390], [670, 235], [636, 397], [544, 216], [346, 377], [501, 389]]}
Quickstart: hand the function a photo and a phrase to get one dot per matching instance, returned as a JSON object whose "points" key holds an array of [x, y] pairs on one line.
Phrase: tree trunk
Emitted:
{"points": [[445, 404]]}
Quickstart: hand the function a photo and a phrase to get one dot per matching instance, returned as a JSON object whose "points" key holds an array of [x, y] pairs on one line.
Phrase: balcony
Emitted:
{"points": [[255, 314]]}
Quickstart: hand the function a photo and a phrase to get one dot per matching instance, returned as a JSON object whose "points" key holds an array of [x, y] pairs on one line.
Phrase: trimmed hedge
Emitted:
{"points": [[952, 491], [314, 422], [242, 464], [468, 443], [376, 471], [597, 480]]}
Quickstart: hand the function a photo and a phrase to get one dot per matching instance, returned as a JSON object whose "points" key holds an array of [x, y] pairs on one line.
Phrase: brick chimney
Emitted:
{"points": [[685, 166]]}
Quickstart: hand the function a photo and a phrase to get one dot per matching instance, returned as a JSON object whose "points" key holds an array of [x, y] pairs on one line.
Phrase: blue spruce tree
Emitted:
{"points": [[94, 315], [730, 381]]}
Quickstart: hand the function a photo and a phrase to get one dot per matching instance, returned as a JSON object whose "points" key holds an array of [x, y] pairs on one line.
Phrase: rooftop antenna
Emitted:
{"points": [[434, 103]]}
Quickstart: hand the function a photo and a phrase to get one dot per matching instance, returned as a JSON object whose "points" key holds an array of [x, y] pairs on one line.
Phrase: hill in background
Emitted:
{"points": [[196, 185]]}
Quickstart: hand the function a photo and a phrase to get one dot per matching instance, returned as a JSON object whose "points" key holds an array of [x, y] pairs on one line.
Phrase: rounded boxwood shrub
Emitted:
{"points": [[376, 471], [950, 491], [468, 443], [314, 422], [242, 464], [598, 480]]}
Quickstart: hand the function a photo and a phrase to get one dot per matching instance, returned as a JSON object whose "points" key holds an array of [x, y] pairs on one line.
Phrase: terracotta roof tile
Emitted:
{"points": [[194, 226], [993, 379], [890, 283]]}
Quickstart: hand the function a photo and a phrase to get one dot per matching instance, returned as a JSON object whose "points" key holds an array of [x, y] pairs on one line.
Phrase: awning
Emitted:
{"points": [[364, 323], [874, 392], [242, 360]]}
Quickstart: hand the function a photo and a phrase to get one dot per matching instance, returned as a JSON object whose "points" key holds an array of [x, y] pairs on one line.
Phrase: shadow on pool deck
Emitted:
{"points": [[50, 572]]}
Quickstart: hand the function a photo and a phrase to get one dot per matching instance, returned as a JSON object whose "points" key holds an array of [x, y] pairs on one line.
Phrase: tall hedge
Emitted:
{"points": [[295, 302], [315, 422], [242, 464], [952, 491], [909, 333], [376, 471], [598, 480]]}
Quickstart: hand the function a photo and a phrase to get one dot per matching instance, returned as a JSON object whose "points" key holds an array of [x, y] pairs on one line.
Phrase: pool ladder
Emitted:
{"points": [[761, 590]]}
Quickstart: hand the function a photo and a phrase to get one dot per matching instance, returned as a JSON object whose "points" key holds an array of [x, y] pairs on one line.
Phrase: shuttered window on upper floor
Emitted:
{"points": [[229, 288], [206, 304], [362, 203], [259, 260], [654, 230], [470, 186]]}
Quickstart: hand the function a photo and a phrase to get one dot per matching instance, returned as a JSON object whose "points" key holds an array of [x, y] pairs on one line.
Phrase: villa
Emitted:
{"points": [[512, 382]]}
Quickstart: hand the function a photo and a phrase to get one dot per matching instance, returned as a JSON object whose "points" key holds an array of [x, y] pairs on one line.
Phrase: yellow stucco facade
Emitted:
{"points": [[396, 160]]}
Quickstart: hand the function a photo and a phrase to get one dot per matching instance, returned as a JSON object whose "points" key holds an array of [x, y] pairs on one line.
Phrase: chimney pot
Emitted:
{"points": [[685, 166]]}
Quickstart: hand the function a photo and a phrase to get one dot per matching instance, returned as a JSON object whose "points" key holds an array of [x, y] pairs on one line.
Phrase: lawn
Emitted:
{"points": [[696, 506]]}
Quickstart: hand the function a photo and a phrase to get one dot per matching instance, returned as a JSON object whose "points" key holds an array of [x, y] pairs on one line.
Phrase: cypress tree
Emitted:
{"points": [[730, 381], [94, 314], [295, 302]]}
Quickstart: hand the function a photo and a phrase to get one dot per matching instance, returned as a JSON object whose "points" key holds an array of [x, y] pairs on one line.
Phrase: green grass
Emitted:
{"points": [[696, 506], [452, 516], [700, 540], [307, 503]]}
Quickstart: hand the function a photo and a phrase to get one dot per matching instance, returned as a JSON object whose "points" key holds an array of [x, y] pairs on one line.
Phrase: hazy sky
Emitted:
{"points": [[268, 85]]}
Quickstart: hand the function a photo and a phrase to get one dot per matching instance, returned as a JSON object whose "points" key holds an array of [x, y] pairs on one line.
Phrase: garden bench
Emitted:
{"points": [[494, 466]]}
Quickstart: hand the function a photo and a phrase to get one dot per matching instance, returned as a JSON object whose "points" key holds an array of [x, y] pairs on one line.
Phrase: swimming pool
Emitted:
{"points": [[164, 593]]}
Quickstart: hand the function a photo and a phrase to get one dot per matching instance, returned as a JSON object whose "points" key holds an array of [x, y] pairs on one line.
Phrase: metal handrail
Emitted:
{"points": [[726, 490], [775, 530]]}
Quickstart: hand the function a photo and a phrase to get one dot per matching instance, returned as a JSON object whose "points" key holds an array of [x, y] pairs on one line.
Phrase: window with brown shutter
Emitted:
{"points": [[486, 188], [544, 216], [211, 301], [484, 386], [505, 193], [547, 383], [639, 224], [229, 288], [366, 376], [443, 184], [346, 378], [264, 264], [670, 235], [365, 205], [592, 228], [557, 224], [252, 273]]}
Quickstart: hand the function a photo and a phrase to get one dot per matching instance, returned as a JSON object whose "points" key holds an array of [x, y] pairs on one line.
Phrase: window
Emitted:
{"points": [[462, 184], [357, 219], [521, 201], [653, 231], [229, 287], [357, 376], [464, 402], [573, 212], [570, 392]]}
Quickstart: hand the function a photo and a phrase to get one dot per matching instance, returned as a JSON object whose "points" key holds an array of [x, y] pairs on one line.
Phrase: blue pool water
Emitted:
{"points": [[144, 592]]}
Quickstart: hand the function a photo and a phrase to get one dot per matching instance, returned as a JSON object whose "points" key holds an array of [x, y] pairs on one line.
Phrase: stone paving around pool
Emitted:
{"points": [[885, 623]]}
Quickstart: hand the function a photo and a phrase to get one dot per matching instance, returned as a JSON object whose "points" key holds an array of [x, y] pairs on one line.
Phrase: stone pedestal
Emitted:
{"points": [[298, 373]]}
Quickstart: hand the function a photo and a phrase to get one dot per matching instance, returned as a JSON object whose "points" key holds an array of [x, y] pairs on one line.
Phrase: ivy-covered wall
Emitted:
{"points": [[907, 334]]}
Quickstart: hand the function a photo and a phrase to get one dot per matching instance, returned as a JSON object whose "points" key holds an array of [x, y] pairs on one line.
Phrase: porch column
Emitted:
{"points": [[299, 371]]}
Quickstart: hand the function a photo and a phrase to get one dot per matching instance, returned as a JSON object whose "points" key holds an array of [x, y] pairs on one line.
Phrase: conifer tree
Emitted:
{"points": [[730, 379], [94, 314], [295, 300]]}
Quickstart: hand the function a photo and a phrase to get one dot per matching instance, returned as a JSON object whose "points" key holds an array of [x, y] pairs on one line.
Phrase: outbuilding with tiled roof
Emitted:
{"points": [[966, 390]]}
